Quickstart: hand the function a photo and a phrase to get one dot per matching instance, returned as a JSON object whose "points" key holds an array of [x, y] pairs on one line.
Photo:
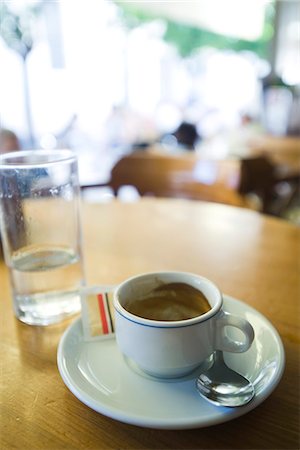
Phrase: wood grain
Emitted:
{"points": [[251, 257]]}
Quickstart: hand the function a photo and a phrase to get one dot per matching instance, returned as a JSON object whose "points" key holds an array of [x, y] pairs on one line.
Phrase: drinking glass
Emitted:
{"points": [[41, 233]]}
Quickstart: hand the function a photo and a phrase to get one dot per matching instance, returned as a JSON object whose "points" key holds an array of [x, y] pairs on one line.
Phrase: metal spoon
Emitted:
{"points": [[223, 386]]}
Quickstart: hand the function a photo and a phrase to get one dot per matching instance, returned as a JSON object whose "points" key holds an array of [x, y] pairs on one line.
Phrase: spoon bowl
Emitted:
{"points": [[223, 386]]}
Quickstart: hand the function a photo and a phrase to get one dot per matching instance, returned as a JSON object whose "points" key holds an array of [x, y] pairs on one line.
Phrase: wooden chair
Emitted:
{"points": [[258, 175], [168, 176]]}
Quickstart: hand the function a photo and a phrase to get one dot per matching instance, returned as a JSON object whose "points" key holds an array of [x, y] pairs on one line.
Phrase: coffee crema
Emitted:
{"points": [[170, 302]]}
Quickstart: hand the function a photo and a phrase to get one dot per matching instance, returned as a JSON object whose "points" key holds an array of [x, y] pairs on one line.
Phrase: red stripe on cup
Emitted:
{"points": [[103, 314]]}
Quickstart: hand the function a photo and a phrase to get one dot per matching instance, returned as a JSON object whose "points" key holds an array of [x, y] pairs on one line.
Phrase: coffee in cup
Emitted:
{"points": [[168, 302]]}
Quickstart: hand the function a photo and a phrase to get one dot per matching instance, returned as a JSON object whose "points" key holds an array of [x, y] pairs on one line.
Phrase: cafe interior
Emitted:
{"points": [[184, 117], [160, 99]]}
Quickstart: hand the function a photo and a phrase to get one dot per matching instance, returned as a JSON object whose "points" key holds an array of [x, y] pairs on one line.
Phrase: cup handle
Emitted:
{"points": [[223, 342]]}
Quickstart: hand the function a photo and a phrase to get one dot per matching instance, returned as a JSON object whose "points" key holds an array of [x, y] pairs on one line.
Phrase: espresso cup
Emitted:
{"points": [[169, 348]]}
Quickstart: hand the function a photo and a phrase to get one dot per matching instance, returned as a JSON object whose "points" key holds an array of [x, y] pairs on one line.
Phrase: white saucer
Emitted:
{"points": [[98, 375]]}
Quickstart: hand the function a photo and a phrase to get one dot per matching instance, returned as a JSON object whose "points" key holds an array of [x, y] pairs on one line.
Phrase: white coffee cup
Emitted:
{"points": [[171, 349]]}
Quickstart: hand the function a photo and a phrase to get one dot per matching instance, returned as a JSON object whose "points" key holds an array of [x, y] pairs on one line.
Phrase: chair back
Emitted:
{"points": [[256, 174], [169, 176]]}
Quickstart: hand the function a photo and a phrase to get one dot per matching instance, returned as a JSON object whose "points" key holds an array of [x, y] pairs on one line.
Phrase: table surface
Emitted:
{"points": [[252, 257], [283, 152]]}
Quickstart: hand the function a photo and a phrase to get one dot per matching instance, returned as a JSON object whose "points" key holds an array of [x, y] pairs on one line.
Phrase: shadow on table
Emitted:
{"points": [[38, 343]]}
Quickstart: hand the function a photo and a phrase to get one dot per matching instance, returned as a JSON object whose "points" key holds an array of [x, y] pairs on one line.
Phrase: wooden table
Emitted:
{"points": [[283, 151], [251, 257]]}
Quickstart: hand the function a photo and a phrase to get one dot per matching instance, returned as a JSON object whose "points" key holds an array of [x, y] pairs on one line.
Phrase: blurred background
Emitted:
{"points": [[103, 77]]}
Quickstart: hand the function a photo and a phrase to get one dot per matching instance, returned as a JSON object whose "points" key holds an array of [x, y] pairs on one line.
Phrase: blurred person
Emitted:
{"points": [[185, 137], [9, 141]]}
